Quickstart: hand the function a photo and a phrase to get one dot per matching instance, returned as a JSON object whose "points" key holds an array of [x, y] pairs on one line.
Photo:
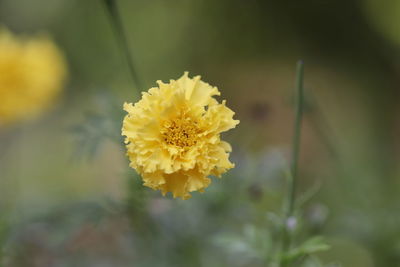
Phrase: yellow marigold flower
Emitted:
{"points": [[173, 136], [32, 72]]}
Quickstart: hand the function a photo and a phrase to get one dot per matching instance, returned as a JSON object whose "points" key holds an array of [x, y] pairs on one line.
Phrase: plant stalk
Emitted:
{"points": [[293, 176], [118, 28], [296, 137]]}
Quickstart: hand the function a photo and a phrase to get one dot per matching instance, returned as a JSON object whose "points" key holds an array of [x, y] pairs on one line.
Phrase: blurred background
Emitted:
{"points": [[68, 197]]}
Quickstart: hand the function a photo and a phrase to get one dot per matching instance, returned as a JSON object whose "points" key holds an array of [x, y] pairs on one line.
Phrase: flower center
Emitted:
{"points": [[181, 132]]}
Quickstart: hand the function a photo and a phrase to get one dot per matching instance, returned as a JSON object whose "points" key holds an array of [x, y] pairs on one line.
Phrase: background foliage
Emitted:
{"points": [[67, 197]]}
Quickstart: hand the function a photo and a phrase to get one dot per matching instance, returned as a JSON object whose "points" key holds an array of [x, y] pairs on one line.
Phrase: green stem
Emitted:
{"points": [[292, 181], [296, 137], [118, 28]]}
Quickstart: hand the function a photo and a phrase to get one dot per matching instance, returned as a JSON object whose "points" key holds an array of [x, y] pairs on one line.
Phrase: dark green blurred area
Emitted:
{"points": [[60, 207]]}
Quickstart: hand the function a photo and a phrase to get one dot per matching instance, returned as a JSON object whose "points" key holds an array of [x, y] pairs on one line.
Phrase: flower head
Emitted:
{"points": [[173, 136], [32, 72]]}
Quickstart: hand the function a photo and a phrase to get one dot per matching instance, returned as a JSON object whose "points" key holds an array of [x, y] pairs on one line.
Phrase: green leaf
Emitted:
{"points": [[253, 242], [312, 245]]}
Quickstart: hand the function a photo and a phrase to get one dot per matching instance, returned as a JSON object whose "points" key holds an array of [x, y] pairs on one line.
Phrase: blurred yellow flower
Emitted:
{"points": [[173, 136], [32, 72]]}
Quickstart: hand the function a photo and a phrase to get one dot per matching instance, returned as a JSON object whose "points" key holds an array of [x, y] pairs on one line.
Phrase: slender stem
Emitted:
{"points": [[118, 28], [292, 181], [296, 137]]}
